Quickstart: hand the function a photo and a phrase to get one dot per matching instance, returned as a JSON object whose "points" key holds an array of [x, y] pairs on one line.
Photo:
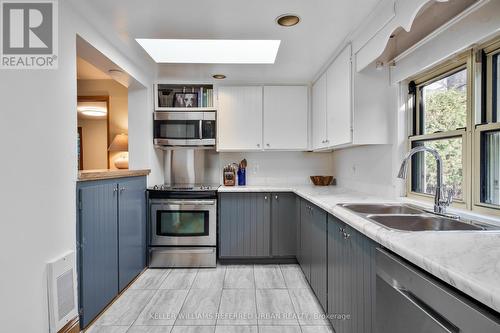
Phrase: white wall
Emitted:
{"points": [[281, 167], [365, 168], [38, 172]]}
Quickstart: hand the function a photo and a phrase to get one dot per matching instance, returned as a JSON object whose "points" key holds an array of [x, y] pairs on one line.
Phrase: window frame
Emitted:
{"points": [[488, 123], [458, 63]]}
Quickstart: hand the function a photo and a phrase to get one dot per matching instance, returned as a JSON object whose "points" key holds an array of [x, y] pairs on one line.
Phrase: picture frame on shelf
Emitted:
{"points": [[186, 100]]}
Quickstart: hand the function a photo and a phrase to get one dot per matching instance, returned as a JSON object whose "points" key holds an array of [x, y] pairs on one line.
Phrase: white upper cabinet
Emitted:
{"points": [[239, 120], [351, 108], [285, 117], [338, 100], [319, 130]]}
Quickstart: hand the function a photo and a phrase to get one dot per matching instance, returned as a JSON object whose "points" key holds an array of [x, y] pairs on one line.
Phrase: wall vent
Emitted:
{"points": [[61, 281]]}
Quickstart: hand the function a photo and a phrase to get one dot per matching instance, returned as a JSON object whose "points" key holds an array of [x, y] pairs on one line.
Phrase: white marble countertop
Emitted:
{"points": [[467, 260]]}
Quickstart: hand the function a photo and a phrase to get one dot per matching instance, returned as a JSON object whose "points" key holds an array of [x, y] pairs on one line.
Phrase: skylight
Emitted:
{"points": [[211, 51]]}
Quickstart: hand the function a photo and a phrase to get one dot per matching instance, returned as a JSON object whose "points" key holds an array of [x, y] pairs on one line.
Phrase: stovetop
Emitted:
{"points": [[184, 187], [183, 191]]}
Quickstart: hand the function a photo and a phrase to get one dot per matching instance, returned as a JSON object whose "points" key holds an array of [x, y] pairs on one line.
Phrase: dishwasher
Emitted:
{"points": [[411, 301]]}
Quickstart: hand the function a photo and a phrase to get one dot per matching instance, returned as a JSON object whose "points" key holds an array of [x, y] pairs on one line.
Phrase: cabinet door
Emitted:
{"points": [[298, 236], [131, 229], [245, 230], [283, 221], [98, 248], [319, 125], [285, 118], [338, 103], [305, 239], [339, 273], [363, 281], [319, 254], [239, 118], [351, 278]]}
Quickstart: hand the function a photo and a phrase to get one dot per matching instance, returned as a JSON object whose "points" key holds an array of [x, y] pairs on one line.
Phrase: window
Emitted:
{"points": [[443, 103], [464, 127], [424, 166], [490, 167], [440, 122]]}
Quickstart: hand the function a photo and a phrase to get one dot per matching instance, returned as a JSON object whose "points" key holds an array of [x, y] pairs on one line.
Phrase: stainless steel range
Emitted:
{"points": [[183, 225]]}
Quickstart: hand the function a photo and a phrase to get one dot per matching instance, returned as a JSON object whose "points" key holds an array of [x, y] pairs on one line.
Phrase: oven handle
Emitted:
{"points": [[190, 202], [200, 130], [181, 251]]}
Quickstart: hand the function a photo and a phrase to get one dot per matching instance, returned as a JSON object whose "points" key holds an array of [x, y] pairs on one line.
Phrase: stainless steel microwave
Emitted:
{"points": [[184, 128]]}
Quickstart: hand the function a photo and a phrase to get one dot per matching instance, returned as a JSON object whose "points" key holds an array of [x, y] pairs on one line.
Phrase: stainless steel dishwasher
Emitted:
{"points": [[411, 301]]}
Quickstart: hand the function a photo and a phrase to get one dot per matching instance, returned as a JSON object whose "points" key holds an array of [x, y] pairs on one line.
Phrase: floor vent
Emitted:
{"points": [[62, 291]]}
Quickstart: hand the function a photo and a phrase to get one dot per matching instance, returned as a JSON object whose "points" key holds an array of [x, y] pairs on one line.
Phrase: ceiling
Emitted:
{"points": [[305, 48], [87, 71]]}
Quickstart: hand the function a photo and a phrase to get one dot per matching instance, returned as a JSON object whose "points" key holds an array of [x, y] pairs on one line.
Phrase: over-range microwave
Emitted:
{"points": [[184, 128]]}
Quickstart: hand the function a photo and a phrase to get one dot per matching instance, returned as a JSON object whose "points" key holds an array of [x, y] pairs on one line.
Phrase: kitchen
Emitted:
{"points": [[175, 149]]}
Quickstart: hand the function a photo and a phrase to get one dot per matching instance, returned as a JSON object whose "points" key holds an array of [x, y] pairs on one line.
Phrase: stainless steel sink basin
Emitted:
{"points": [[422, 223], [408, 218], [382, 209]]}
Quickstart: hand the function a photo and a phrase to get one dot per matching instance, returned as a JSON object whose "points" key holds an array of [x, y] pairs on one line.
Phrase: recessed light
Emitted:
{"points": [[288, 20], [219, 76], [211, 51]]}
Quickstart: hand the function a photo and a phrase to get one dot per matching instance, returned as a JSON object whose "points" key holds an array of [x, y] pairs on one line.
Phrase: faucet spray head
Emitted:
{"points": [[403, 169]]}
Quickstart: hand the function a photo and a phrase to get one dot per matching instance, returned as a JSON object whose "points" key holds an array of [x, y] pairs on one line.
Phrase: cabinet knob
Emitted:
{"points": [[327, 141], [258, 145], [267, 144], [276, 197], [265, 197], [115, 190], [346, 235], [341, 229], [122, 189]]}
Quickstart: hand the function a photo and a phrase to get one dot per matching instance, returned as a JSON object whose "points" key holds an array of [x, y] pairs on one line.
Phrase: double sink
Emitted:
{"points": [[409, 218]]}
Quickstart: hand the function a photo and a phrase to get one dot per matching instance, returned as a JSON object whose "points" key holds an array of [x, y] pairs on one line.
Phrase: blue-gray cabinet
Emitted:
{"points": [[351, 278], [313, 248], [131, 230], [284, 224], [111, 234], [97, 247], [319, 262], [245, 225]]}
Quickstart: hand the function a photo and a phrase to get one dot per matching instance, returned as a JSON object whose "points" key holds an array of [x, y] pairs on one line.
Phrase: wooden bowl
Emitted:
{"points": [[321, 180]]}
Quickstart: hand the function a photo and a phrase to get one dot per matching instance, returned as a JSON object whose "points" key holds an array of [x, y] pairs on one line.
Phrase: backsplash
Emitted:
{"points": [[266, 168]]}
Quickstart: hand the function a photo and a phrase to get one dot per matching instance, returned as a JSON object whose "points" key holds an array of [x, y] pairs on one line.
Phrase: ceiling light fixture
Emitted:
{"points": [[211, 51], [219, 76], [92, 111], [288, 20]]}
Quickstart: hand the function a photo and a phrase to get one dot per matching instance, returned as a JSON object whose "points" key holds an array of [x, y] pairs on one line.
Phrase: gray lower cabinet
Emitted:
{"points": [[131, 230], [305, 239], [319, 262], [283, 222], [351, 278], [111, 233], [245, 225]]}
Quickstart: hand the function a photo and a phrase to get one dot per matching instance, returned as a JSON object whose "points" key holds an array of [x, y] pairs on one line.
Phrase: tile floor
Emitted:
{"points": [[226, 299]]}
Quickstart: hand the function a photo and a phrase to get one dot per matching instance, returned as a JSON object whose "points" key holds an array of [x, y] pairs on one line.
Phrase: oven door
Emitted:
{"points": [[184, 128], [183, 222]]}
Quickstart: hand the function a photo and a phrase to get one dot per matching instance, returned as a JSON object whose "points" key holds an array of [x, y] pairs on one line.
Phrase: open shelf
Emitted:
{"points": [[184, 97]]}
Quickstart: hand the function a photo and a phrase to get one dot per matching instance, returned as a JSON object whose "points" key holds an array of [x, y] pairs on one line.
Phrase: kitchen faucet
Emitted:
{"points": [[440, 203]]}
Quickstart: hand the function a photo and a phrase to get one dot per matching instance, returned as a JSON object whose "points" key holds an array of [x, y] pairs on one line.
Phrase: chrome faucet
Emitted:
{"points": [[440, 203]]}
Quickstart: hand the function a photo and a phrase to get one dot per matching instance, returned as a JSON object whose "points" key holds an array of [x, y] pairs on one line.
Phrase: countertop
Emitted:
{"points": [[467, 260], [86, 175]]}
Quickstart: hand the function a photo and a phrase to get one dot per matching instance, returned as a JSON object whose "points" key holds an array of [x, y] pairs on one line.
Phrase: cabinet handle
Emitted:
{"points": [[346, 235], [115, 190], [341, 229], [122, 189]]}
